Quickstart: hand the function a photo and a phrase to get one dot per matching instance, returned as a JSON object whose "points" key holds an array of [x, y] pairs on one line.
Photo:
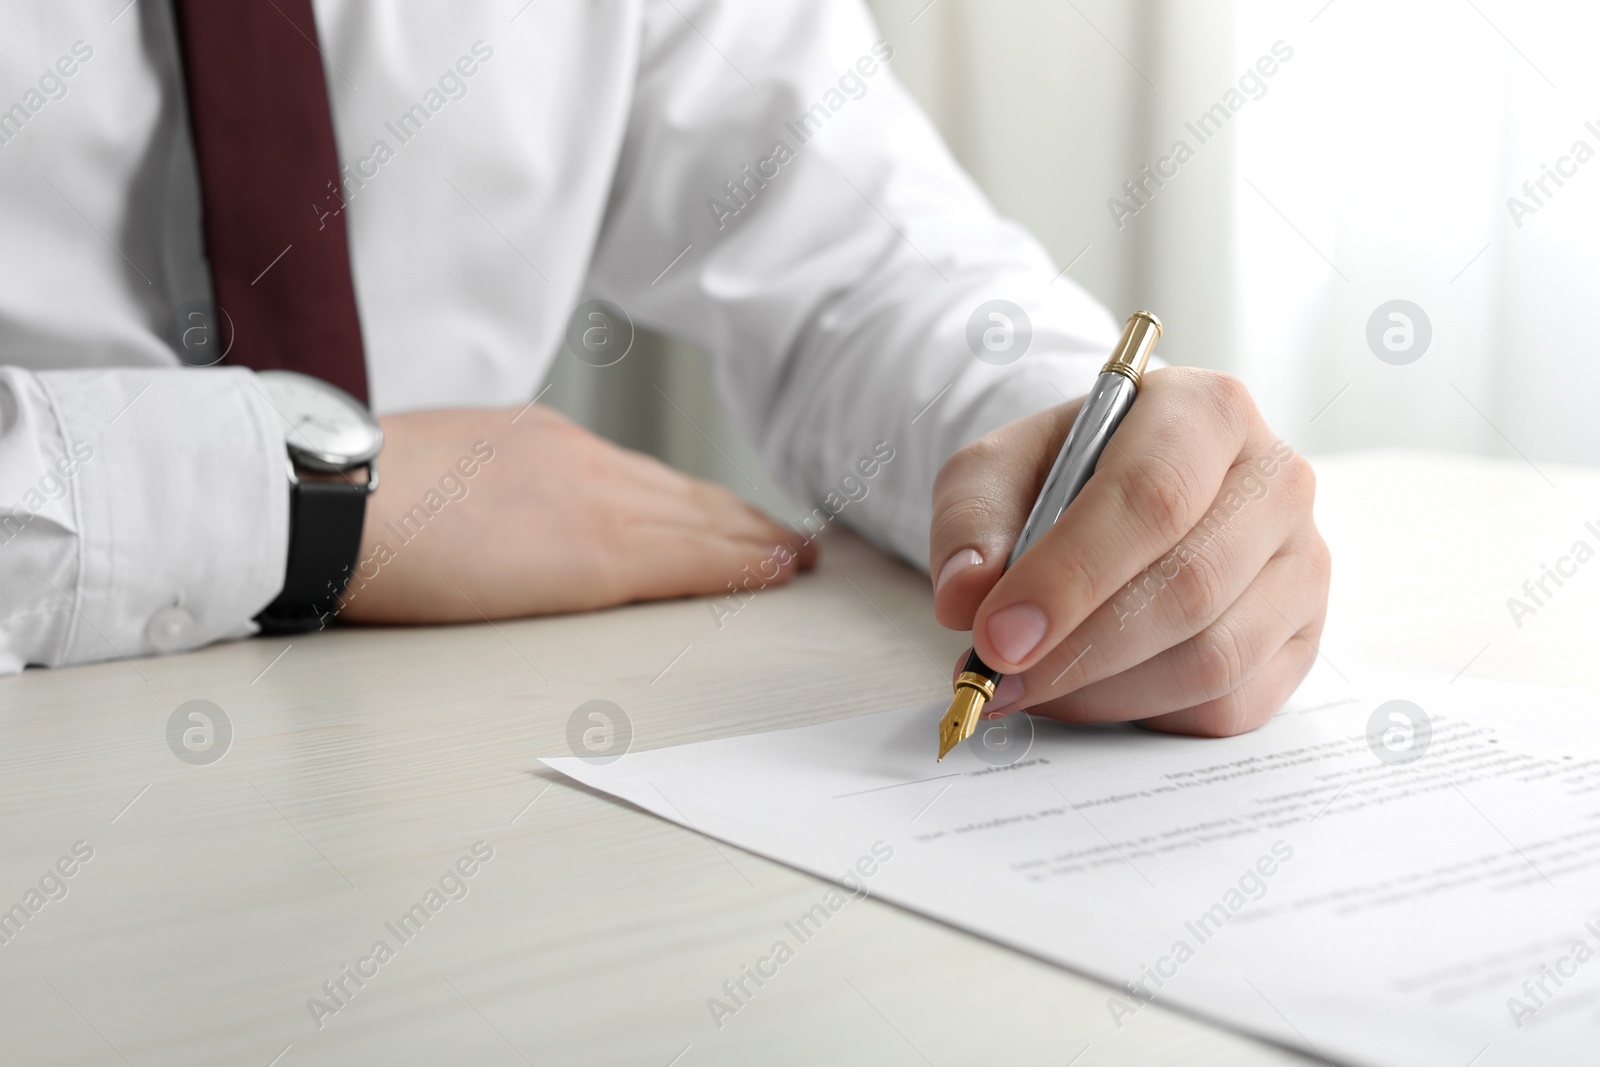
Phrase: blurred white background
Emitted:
{"points": [[1374, 164]]}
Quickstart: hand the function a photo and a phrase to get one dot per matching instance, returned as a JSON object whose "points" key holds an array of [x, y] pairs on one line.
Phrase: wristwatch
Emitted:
{"points": [[330, 436]]}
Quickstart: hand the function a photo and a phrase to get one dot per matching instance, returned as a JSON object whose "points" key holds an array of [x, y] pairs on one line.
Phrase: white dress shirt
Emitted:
{"points": [[587, 154]]}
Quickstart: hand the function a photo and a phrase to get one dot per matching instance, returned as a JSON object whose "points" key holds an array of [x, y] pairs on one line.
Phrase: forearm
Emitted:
{"points": [[835, 301], [905, 375]]}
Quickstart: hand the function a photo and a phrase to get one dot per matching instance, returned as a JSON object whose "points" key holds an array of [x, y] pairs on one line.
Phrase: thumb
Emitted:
{"points": [[981, 498]]}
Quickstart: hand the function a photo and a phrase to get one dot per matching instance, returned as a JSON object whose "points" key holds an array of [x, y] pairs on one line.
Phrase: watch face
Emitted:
{"points": [[324, 427]]}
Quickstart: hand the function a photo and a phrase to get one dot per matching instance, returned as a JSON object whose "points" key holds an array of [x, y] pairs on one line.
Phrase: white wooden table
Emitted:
{"points": [[364, 763]]}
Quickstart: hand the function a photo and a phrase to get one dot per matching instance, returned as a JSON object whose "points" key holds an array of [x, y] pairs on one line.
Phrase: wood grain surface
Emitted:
{"points": [[366, 764]]}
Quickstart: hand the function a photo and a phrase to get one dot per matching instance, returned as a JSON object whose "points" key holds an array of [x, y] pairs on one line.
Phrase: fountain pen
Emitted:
{"points": [[1102, 412]]}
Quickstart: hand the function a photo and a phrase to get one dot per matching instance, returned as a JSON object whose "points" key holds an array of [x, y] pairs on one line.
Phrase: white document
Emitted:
{"points": [[1302, 883]]}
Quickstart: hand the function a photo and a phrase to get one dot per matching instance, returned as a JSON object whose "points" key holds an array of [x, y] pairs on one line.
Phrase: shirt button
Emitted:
{"points": [[170, 629]]}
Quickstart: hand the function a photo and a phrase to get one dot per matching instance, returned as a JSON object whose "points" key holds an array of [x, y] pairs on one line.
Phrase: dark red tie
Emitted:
{"points": [[263, 136]]}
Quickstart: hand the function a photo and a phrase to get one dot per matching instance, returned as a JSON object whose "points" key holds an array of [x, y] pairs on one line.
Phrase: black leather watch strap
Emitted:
{"points": [[325, 521]]}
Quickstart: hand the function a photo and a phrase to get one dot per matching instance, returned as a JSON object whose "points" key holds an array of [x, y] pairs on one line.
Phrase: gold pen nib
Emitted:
{"points": [[973, 691]]}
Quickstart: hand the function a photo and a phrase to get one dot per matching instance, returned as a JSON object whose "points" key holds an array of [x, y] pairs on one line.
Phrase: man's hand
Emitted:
{"points": [[1186, 586], [550, 519]]}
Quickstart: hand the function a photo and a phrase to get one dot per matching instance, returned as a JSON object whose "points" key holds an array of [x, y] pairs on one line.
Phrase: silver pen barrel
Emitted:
{"points": [[1101, 414]]}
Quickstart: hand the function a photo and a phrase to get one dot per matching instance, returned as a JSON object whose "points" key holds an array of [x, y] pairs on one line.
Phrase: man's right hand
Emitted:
{"points": [[556, 519]]}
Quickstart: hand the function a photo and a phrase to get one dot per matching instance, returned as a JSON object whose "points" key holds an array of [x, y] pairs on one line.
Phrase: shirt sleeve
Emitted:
{"points": [[141, 511], [781, 202]]}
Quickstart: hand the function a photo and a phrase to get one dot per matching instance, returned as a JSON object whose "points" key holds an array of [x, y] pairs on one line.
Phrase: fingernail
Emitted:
{"points": [[1007, 693], [1016, 631], [967, 557]]}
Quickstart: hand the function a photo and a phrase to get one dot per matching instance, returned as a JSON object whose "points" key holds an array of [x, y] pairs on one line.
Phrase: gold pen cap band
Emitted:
{"points": [[1139, 338]]}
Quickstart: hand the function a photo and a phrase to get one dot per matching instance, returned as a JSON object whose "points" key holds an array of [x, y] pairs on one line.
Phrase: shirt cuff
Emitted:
{"points": [[180, 501]]}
